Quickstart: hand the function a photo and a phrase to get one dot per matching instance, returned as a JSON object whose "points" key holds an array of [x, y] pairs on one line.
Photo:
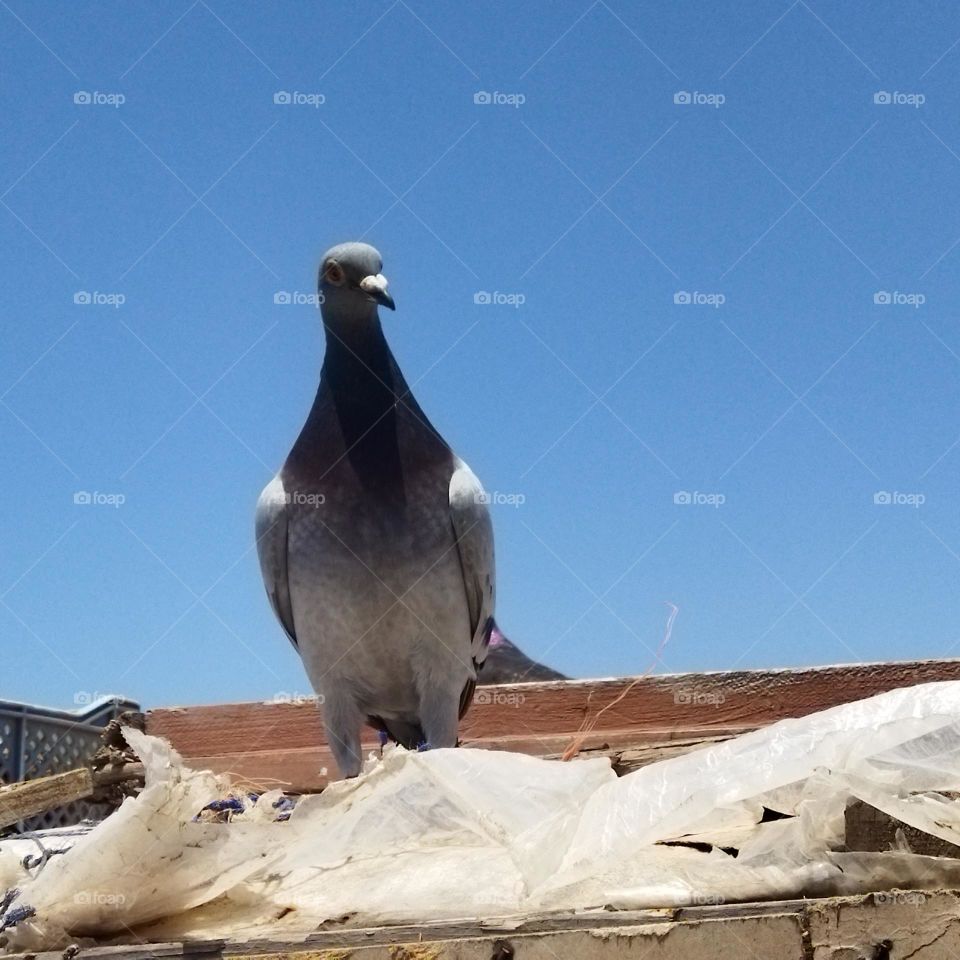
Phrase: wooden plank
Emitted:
{"points": [[635, 757], [774, 935], [922, 924], [18, 801], [21, 800], [872, 830], [285, 742], [598, 934], [302, 770]]}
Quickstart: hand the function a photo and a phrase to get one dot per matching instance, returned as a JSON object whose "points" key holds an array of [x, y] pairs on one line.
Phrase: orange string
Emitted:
{"points": [[588, 724]]}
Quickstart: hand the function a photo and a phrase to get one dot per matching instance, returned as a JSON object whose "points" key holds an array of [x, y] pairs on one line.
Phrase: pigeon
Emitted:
{"points": [[507, 663], [375, 540]]}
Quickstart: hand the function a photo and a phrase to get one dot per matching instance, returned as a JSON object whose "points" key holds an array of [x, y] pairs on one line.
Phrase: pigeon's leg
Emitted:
{"points": [[342, 722], [439, 717]]}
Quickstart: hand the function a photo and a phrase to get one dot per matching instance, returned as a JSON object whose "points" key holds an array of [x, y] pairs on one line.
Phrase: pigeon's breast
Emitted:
{"points": [[374, 482], [376, 585]]}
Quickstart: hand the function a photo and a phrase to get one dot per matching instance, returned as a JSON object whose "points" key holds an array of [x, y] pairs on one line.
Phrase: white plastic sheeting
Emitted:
{"points": [[474, 833]]}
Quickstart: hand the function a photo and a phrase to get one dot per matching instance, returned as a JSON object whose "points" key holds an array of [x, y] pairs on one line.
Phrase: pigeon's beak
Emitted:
{"points": [[375, 287]]}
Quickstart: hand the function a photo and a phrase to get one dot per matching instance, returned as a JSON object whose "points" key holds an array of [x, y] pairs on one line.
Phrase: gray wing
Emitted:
{"points": [[473, 531], [271, 527]]}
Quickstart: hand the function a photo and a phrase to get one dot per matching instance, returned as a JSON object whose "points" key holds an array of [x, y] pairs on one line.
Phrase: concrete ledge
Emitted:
{"points": [[897, 925]]}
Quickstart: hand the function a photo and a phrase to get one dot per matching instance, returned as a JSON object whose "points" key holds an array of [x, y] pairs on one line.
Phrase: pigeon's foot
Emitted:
{"points": [[439, 716], [342, 720], [425, 745]]}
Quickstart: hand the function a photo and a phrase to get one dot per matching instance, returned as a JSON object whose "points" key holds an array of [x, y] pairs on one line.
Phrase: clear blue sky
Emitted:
{"points": [[590, 201]]}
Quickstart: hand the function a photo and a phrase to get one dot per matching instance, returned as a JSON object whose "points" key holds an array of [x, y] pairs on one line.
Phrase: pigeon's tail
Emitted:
{"points": [[408, 735], [505, 662]]}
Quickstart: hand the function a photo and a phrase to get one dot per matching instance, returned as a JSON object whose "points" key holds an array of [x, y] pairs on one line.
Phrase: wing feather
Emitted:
{"points": [[473, 530], [272, 527]]}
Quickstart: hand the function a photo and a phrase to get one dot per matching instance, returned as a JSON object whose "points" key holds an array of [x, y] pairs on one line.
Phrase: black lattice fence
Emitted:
{"points": [[38, 741]]}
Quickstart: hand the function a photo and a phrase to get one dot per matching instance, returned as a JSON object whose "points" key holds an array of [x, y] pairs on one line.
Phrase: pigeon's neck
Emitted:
{"points": [[359, 369], [362, 401]]}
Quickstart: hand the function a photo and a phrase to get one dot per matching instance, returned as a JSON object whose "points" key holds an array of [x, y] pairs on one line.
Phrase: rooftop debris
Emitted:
{"points": [[450, 834]]}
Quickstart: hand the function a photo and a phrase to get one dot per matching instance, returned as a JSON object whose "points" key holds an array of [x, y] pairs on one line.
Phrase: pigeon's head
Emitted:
{"points": [[351, 284]]}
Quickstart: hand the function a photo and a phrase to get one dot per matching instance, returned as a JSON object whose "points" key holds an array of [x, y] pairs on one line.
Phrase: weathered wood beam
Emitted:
{"points": [[19, 801], [282, 743], [924, 925]]}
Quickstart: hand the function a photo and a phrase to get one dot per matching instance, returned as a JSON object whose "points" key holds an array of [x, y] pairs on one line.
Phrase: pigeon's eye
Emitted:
{"points": [[334, 273]]}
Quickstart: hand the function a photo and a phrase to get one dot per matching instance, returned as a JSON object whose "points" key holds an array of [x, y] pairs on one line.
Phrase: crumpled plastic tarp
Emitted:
{"points": [[449, 834]]}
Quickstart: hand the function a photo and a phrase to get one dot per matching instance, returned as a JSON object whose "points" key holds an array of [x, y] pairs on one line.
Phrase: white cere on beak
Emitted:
{"points": [[374, 284]]}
